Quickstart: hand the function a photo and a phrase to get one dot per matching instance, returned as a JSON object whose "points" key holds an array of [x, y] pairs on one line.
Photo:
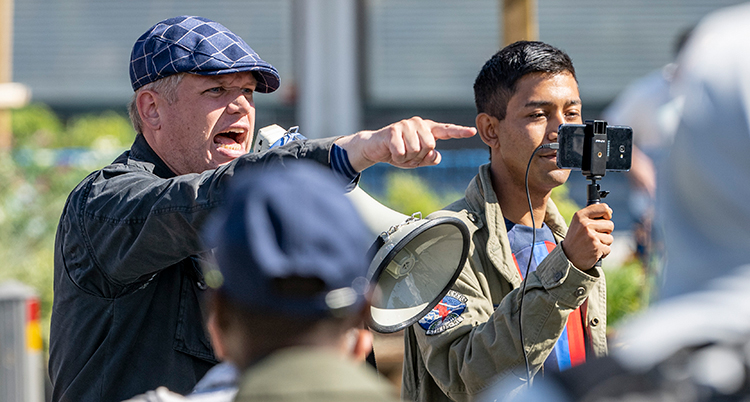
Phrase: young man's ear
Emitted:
{"points": [[488, 129], [148, 109]]}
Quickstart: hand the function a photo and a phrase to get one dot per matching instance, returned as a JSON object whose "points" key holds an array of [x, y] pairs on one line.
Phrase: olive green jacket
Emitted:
{"points": [[481, 347], [313, 374]]}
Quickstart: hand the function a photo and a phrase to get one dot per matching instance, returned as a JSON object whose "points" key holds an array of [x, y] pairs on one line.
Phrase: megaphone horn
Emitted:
{"points": [[376, 216], [414, 263]]}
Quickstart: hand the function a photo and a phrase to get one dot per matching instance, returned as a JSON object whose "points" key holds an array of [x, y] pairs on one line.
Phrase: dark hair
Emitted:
{"points": [[264, 332], [496, 82]]}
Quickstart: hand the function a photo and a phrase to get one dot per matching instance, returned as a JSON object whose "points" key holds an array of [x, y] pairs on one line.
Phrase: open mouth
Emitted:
{"points": [[231, 140]]}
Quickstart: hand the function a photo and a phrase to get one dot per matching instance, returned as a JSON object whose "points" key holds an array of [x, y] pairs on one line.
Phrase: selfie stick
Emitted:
{"points": [[594, 164]]}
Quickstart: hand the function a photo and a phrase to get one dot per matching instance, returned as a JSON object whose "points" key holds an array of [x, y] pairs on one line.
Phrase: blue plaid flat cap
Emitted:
{"points": [[195, 45]]}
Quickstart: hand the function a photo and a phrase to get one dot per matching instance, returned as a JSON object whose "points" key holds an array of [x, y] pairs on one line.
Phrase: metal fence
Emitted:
{"points": [[21, 361]]}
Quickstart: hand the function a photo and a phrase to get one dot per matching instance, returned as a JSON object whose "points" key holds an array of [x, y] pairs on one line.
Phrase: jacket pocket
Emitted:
{"points": [[191, 335]]}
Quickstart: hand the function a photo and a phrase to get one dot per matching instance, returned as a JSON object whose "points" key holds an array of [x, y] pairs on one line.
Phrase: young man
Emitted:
{"points": [[126, 316], [692, 342], [472, 339]]}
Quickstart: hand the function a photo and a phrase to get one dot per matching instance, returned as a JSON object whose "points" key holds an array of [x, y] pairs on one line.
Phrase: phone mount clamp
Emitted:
{"points": [[594, 163]]}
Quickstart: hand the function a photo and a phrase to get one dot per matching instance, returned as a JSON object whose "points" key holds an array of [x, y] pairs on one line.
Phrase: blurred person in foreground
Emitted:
{"points": [[126, 316], [291, 294], [693, 344], [472, 340]]}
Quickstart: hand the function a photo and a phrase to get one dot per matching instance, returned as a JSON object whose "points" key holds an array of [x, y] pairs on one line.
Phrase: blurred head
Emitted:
{"points": [[194, 82], [497, 79], [292, 262], [243, 336]]}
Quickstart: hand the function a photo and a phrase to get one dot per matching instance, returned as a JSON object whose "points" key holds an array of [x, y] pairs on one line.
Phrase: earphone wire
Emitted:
{"points": [[531, 255]]}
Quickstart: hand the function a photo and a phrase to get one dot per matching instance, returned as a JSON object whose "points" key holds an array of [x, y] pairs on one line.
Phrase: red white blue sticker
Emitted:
{"points": [[446, 315]]}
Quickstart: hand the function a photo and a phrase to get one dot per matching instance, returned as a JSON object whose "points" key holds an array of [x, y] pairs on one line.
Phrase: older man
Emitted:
{"points": [[126, 316]]}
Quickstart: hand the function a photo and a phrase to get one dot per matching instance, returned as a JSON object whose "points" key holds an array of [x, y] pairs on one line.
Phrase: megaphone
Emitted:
{"points": [[415, 261]]}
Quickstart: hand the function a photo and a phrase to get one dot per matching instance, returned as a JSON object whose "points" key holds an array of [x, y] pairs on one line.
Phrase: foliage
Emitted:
{"points": [[100, 132], [36, 126], [31, 199], [628, 291], [407, 193], [565, 204], [35, 186]]}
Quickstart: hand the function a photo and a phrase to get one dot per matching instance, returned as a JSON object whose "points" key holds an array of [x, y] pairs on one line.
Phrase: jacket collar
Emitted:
{"points": [[142, 154], [482, 200]]}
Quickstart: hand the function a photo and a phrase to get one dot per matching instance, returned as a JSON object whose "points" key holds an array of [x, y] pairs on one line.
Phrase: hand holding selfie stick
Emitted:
{"points": [[594, 148]]}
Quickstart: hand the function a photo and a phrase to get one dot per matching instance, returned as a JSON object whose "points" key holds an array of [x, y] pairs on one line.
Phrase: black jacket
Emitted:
{"points": [[127, 315]]}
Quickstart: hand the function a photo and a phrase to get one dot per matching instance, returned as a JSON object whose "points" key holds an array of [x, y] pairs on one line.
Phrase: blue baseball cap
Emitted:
{"points": [[195, 45], [289, 222]]}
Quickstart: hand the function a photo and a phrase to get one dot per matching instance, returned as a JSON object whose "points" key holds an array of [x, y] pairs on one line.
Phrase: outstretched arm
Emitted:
{"points": [[406, 144]]}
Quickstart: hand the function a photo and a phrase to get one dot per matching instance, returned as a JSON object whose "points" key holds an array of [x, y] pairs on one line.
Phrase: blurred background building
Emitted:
{"points": [[408, 56], [347, 65]]}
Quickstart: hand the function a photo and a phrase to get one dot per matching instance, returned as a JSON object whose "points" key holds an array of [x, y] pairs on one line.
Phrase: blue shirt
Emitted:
{"points": [[569, 349]]}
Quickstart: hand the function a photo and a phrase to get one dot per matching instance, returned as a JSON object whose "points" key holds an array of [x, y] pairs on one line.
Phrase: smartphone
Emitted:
{"points": [[619, 147]]}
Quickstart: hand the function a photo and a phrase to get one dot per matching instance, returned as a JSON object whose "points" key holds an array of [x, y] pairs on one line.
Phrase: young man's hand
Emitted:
{"points": [[406, 144], [590, 236]]}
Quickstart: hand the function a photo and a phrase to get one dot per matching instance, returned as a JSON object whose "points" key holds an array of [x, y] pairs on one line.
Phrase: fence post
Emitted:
{"points": [[21, 362]]}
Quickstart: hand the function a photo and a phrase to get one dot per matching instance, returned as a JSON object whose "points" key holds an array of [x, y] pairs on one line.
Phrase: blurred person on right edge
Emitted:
{"points": [[693, 343], [649, 106], [472, 339]]}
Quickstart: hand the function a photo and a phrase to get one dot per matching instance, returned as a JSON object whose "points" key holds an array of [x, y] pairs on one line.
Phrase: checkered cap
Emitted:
{"points": [[199, 46]]}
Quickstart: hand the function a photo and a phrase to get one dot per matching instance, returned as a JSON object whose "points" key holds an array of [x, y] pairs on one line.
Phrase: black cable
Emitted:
{"points": [[552, 145]]}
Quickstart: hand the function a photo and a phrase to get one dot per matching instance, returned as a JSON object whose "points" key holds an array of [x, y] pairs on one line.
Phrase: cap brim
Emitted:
{"points": [[267, 77]]}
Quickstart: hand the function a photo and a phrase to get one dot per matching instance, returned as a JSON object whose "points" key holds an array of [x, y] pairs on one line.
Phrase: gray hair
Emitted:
{"points": [[166, 87]]}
